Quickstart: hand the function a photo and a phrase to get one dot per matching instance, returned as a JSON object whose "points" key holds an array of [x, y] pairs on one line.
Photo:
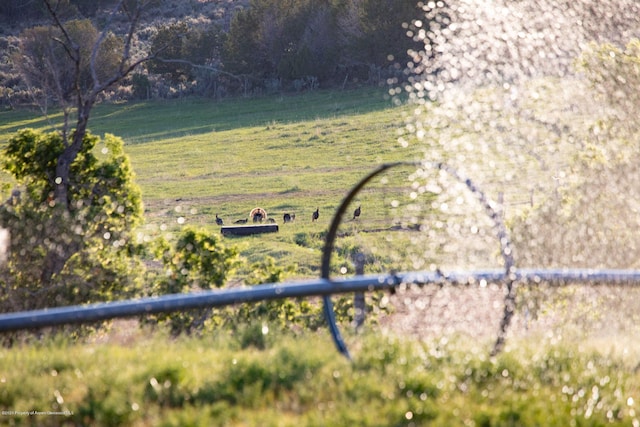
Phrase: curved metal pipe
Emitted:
{"points": [[327, 250], [505, 247]]}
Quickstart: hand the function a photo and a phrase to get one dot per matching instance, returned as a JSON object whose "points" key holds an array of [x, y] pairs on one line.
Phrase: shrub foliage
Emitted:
{"points": [[91, 240]]}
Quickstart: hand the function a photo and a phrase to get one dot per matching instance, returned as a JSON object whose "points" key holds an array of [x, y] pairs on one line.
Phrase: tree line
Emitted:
{"points": [[264, 46]]}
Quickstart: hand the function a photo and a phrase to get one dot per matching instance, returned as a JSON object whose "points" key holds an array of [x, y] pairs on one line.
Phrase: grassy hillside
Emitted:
{"points": [[197, 158]]}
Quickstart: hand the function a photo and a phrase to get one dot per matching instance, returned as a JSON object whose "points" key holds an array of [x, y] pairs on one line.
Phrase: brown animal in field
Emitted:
{"points": [[315, 215], [258, 214]]}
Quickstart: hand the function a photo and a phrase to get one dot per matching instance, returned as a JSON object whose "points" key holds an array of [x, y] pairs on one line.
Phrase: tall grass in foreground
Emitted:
{"points": [[301, 381]]}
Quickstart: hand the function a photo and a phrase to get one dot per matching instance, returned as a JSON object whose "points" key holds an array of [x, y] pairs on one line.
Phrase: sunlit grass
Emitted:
{"points": [[195, 158], [215, 381], [12, 121]]}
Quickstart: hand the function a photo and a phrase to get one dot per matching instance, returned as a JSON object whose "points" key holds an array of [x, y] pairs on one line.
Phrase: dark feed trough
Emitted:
{"points": [[245, 230], [257, 215]]}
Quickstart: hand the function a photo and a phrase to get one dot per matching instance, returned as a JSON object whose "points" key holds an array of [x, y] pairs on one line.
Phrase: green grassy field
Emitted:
{"points": [[197, 158]]}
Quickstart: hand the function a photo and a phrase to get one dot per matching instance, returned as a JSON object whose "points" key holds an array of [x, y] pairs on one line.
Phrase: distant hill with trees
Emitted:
{"points": [[228, 48]]}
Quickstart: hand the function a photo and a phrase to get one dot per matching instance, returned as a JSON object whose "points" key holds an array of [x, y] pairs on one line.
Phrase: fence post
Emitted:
{"points": [[358, 297]]}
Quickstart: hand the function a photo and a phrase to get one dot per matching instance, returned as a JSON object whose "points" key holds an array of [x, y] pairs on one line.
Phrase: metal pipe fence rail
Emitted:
{"points": [[509, 276], [316, 287]]}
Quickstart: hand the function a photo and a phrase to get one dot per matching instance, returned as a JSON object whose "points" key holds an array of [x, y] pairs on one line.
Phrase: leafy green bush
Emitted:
{"points": [[166, 388], [197, 260], [279, 313], [92, 240]]}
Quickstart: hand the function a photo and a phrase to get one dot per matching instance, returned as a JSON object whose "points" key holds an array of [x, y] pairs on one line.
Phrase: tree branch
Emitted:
{"points": [[123, 68], [98, 43], [203, 67], [121, 74], [72, 48]]}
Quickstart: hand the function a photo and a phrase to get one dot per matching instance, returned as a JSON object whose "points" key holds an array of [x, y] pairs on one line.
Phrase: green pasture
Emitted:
{"points": [[195, 158], [300, 380]]}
